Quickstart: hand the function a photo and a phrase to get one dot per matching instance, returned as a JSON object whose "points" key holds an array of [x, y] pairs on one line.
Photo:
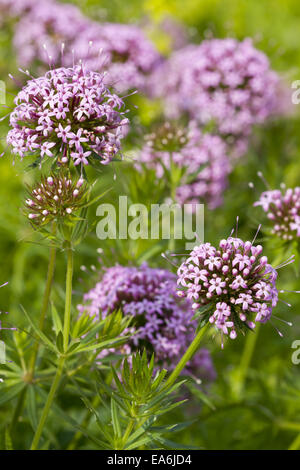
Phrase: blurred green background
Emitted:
{"points": [[267, 412]]}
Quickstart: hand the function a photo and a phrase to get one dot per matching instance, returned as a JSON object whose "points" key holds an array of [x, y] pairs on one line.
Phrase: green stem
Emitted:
{"points": [[67, 320], [187, 356], [246, 361], [49, 280], [30, 373], [127, 432], [68, 302], [48, 404]]}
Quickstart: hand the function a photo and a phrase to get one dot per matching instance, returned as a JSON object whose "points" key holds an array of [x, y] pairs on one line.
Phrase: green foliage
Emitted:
{"points": [[97, 406], [138, 401]]}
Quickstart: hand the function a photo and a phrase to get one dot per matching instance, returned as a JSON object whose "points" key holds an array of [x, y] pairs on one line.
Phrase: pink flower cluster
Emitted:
{"points": [[55, 198], [162, 322], [41, 32], [283, 210], [121, 49], [17, 8], [67, 114], [204, 161], [233, 285], [223, 81]]}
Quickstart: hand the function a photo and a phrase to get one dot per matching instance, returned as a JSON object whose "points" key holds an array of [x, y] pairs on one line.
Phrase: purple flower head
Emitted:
{"points": [[40, 34], [283, 210], [162, 322], [221, 81], [233, 285], [121, 49], [201, 157], [67, 115], [55, 198]]}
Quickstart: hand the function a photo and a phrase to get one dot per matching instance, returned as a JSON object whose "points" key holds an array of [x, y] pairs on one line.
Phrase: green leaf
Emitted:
{"points": [[100, 422], [67, 419], [170, 407], [102, 345], [124, 404], [46, 341], [9, 394], [172, 445], [97, 198], [115, 419], [172, 427], [139, 443], [56, 319], [201, 395], [158, 380], [45, 446], [60, 342], [140, 431]]}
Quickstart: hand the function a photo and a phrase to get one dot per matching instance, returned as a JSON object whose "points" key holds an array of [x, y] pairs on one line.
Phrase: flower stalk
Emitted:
{"points": [[48, 404], [187, 356], [68, 301], [245, 361], [47, 292], [61, 362]]}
